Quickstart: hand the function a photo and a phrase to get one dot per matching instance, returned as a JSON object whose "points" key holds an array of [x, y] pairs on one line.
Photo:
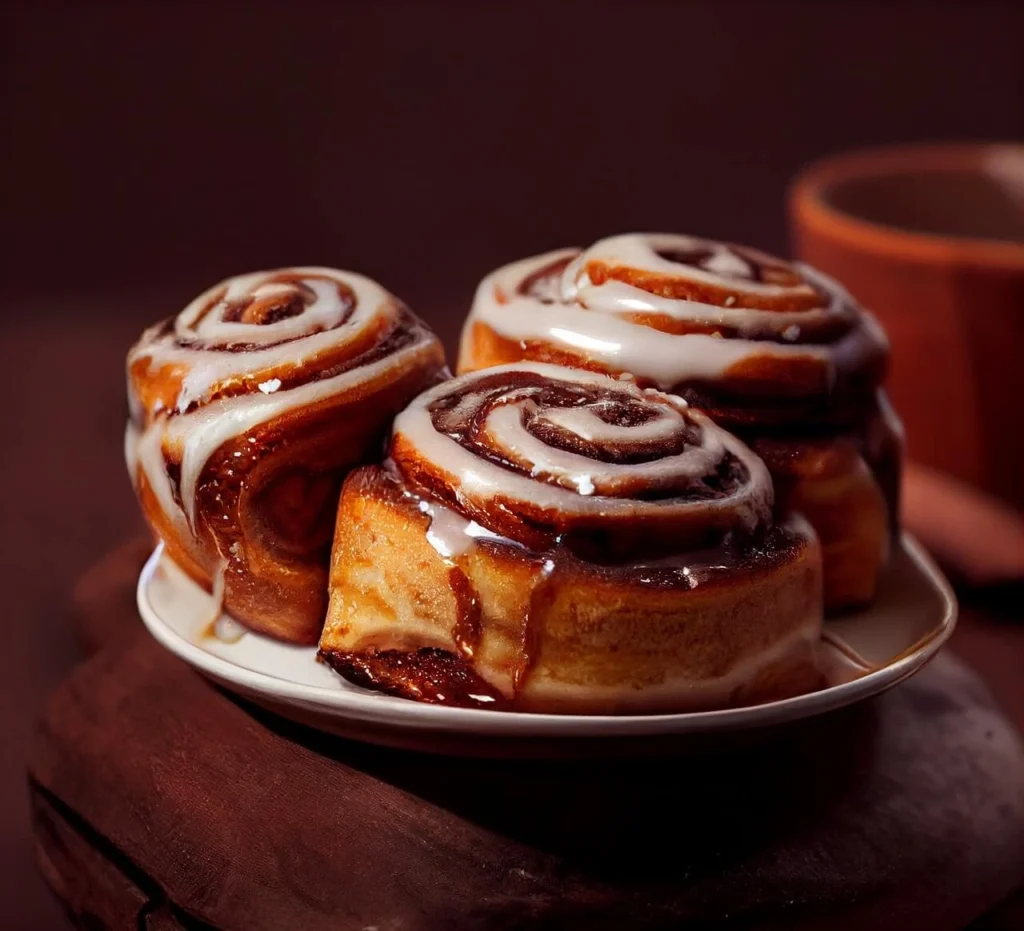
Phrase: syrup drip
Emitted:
{"points": [[541, 599], [466, 632], [436, 677], [218, 627], [546, 453], [681, 313], [733, 262]]}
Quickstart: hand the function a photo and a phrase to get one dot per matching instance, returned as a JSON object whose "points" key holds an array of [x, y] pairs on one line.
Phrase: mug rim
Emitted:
{"points": [[811, 209]]}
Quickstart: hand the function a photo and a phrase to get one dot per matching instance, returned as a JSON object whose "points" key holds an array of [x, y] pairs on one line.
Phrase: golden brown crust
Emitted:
{"points": [[255, 515], [664, 284], [485, 349], [556, 633], [829, 482], [758, 390], [849, 497], [832, 446]]}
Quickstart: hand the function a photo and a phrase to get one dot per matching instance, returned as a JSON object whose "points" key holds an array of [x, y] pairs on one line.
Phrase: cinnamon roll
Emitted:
{"points": [[550, 539], [774, 351], [248, 409]]}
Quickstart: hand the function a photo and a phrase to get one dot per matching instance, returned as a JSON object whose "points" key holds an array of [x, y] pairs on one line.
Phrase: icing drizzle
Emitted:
{"points": [[246, 352], [542, 454], [678, 310]]}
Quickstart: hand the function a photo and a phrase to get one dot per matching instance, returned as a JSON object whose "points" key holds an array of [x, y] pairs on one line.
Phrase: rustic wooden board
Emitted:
{"points": [[163, 801]]}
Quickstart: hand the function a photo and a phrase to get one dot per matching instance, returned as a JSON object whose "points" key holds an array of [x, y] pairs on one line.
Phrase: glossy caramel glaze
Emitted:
{"points": [[774, 351], [747, 335], [435, 677], [575, 542], [543, 455], [246, 412]]}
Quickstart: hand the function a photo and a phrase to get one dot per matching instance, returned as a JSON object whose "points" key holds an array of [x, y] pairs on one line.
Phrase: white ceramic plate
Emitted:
{"points": [[911, 618]]}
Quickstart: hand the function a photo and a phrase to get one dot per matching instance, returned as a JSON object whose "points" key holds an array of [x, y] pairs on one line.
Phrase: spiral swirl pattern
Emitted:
{"points": [[247, 406], [543, 455], [292, 325], [252, 348], [686, 315]]}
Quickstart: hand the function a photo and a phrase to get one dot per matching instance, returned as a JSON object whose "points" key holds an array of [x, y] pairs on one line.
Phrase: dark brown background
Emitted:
{"points": [[150, 149]]}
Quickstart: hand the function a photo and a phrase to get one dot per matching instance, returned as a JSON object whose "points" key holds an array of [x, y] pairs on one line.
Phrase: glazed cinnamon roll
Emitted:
{"points": [[248, 409], [774, 351], [549, 539]]}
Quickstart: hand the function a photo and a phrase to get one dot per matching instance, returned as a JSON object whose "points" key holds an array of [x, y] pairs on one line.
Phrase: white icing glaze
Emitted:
{"points": [[583, 318], [194, 430], [504, 426], [326, 311], [292, 341], [227, 630], [587, 425], [570, 483], [664, 358], [640, 250], [151, 462], [453, 535], [217, 607]]}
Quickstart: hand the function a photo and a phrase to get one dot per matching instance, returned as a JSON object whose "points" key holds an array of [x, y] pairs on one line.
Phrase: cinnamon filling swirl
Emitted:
{"points": [[544, 529], [773, 351], [543, 456], [247, 410], [725, 325]]}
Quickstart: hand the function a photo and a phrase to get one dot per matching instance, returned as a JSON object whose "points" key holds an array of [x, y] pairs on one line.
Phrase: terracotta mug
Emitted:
{"points": [[931, 239]]}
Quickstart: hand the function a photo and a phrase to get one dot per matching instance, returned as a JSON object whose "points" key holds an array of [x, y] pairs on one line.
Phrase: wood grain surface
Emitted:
{"points": [[160, 800]]}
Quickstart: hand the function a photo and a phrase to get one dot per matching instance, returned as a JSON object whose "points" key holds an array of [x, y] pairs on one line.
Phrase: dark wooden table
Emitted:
{"points": [[66, 502], [160, 801]]}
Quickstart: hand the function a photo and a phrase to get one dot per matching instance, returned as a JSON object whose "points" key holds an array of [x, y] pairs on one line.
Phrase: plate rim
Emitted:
{"points": [[367, 707]]}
